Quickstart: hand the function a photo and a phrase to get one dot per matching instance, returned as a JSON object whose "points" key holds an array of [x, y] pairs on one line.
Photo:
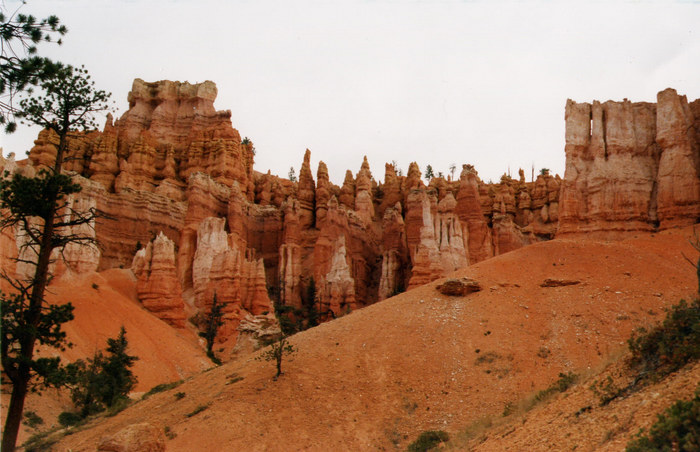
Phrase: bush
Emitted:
{"points": [[607, 391], [565, 381], [69, 419], [119, 405], [104, 380], [41, 442], [678, 428], [32, 420], [428, 440], [669, 346], [197, 410], [161, 387]]}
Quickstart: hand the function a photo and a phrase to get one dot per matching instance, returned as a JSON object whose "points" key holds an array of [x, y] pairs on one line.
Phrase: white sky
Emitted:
{"points": [[436, 82]]}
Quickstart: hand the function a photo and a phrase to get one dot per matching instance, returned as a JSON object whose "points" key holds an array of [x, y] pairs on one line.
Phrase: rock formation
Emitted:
{"points": [[158, 287], [630, 166], [186, 210]]}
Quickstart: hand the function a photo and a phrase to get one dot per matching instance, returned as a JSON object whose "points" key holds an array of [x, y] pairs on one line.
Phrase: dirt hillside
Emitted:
{"points": [[103, 303], [375, 379]]}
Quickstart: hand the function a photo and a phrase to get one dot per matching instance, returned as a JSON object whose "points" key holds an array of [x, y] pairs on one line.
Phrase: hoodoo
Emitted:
{"points": [[190, 215]]}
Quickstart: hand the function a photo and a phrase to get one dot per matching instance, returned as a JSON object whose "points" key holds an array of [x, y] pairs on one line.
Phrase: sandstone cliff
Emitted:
{"points": [[631, 166], [188, 213]]}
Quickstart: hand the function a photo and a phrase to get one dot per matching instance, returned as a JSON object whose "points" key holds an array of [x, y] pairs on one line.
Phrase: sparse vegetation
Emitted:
{"points": [[169, 433], [160, 388], [695, 243], [292, 174], [213, 321], [429, 173], [428, 440], [486, 358], [246, 142], [179, 395], [197, 410], [668, 346], [233, 378], [276, 351], [118, 406], [41, 442], [69, 419], [606, 390], [103, 381], [677, 429], [474, 430], [32, 420], [565, 381], [659, 351], [543, 352]]}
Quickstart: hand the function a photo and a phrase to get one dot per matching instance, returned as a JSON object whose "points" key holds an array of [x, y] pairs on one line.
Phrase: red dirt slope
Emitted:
{"points": [[378, 377], [103, 303]]}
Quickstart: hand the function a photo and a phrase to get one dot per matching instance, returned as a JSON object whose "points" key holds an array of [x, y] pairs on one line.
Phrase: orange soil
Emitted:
{"points": [[376, 378], [575, 420], [103, 303]]}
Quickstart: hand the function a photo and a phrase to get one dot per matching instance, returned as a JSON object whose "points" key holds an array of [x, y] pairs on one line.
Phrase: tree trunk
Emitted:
{"points": [[36, 299], [14, 414]]}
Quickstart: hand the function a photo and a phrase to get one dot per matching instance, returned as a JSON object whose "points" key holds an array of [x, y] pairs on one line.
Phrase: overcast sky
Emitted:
{"points": [[436, 82]]}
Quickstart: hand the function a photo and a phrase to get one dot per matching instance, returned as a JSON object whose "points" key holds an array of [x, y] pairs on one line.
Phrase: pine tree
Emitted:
{"points": [[429, 173], [31, 205], [105, 379], [120, 380], [20, 66]]}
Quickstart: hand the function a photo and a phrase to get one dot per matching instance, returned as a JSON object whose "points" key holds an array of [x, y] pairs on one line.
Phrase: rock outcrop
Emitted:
{"points": [[459, 287], [630, 166], [158, 287], [186, 210]]}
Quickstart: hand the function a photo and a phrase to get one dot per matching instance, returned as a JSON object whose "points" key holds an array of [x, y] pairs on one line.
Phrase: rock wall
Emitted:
{"points": [[186, 210], [630, 166]]}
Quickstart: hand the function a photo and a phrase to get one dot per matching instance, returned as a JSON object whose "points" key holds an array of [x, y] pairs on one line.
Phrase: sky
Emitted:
{"points": [[435, 82]]}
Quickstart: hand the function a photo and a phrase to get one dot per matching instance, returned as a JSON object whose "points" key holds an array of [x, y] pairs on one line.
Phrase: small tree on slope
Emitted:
{"points": [[104, 379], [276, 351], [213, 322]]}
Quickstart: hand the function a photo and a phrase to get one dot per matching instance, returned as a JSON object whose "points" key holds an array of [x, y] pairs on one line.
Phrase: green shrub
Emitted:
{"points": [[103, 380], [670, 345], [161, 387], [565, 381], [32, 420], [428, 440], [119, 405], [606, 390], [677, 429], [169, 433], [197, 410], [41, 442], [68, 418]]}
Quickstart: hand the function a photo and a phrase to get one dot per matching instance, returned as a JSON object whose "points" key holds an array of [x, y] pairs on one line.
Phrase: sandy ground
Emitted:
{"points": [[103, 303], [375, 379]]}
